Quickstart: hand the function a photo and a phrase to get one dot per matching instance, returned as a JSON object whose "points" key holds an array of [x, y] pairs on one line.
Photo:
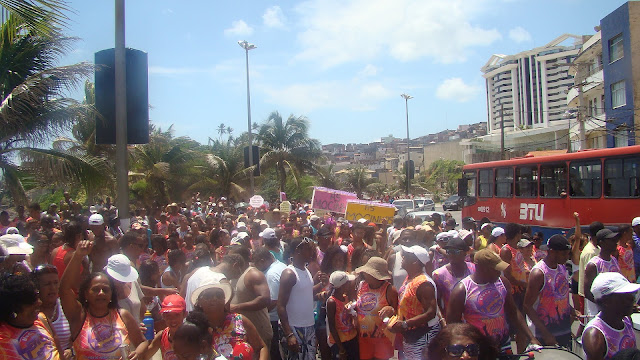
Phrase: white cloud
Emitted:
{"points": [[519, 34], [455, 89], [336, 32], [306, 97], [368, 70], [273, 17], [239, 28]]}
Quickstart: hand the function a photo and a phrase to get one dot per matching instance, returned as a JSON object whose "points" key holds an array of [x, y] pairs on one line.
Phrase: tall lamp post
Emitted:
{"points": [[406, 106], [247, 46]]}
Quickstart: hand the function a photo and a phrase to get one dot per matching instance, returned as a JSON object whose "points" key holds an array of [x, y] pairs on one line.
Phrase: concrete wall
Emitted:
{"points": [[451, 150]]}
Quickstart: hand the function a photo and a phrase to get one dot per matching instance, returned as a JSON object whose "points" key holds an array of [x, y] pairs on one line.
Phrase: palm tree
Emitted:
{"points": [[34, 108], [327, 177], [357, 179], [287, 147], [223, 173], [221, 129]]}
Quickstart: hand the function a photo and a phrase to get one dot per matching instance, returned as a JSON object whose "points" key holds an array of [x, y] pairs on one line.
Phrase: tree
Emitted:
{"points": [[221, 130], [326, 177], [34, 108], [287, 147], [442, 176], [357, 179]]}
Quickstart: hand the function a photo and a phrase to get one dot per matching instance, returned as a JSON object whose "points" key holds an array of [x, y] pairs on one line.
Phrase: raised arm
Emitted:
{"points": [[575, 247], [70, 279]]}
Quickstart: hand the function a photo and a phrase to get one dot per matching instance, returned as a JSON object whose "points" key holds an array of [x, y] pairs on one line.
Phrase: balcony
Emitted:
{"points": [[592, 84]]}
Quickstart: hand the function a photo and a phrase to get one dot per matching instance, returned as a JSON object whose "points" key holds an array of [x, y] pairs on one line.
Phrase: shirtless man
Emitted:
{"points": [[104, 244]]}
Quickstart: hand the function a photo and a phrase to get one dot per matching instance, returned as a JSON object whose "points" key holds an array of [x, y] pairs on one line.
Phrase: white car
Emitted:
{"points": [[425, 204]]}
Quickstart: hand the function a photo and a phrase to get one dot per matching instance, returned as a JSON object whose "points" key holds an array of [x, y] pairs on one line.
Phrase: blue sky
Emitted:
{"points": [[343, 64]]}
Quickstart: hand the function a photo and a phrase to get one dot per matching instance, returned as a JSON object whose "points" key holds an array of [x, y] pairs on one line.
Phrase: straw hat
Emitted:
{"points": [[376, 267]]}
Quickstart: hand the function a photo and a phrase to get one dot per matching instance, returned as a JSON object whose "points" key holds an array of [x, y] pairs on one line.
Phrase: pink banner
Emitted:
{"points": [[331, 199]]}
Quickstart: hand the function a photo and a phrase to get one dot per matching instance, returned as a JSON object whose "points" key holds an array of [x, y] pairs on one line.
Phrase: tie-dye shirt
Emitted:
{"points": [[625, 261], [409, 305], [32, 343], [484, 309], [552, 306], [370, 302], [445, 282], [101, 338], [230, 336], [518, 267], [344, 323], [616, 339], [165, 346]]}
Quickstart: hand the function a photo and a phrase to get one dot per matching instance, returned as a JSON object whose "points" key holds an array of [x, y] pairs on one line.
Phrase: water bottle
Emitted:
{"points": [[148, 323]]}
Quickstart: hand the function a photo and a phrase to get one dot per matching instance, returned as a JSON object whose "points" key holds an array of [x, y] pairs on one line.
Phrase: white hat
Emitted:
{"points": [[485, 225], [268, 233], [264, 222], [241, 226], [92, 209], [12, 230], [464, 233], [421, 253], [119, 267], [611, 283], [243, 235], [212, 283], [96, 219], [443, 236], [363, 221], [453, 234], [339, 278], [635, 221], [314, 218], [497, 231], [14, 244]]}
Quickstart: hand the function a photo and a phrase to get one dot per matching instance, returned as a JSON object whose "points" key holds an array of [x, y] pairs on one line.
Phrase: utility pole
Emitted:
{"points": [[122, 167], [580, 118], [502, 131], [246, 46], [408, 167]]}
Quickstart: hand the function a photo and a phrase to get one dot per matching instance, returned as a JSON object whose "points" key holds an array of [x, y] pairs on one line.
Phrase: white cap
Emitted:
{"points": [[339, 278], [464, 233], [443, 236], [635, 221], [453, 234], [92, 209], [243, 235], [485, 225], [497, 231], [362, 221], [241, 226], [14, 244], [12, 230], [96, 219], [264, 222], [421, 253], [611, 283], [314, 218], [268, 233], [119, 267]]}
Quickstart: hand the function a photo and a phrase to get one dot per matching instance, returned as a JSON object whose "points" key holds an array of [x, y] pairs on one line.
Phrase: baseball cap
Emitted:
{"points": [[486, 257], [324, 231], [267, 233], [339, 278], [608, 283], [119, 267], [468, 219], [451, 222], [523, 243], [457, 243], [606, 234], [462, 234], [241, 226], [96, 219], [443, 236], [421, 253], [314, 218], [485, 225], [14, 244], [173, 303], [497, 231], [558, 242], [635, 221]]}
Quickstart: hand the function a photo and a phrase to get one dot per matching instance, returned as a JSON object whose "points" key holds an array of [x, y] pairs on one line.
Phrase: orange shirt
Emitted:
{"points": [[34, 342]]}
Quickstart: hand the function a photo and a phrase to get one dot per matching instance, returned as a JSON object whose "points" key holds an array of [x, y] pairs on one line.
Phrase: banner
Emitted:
{"points": [[256, 201], [285, 207], [372, 211], [283, 196], [331, 200]]}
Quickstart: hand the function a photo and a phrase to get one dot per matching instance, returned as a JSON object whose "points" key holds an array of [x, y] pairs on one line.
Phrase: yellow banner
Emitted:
{"points": [[373, 212]]}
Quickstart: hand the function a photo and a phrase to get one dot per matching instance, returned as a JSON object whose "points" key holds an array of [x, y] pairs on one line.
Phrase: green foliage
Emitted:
{"points": [[442, 176]]}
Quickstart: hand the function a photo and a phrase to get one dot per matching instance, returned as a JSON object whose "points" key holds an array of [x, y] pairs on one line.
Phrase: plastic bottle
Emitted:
{"points": [[148, 323]]}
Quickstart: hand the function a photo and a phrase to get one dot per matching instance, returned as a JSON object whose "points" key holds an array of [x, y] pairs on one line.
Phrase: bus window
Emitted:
{"points": [[553, 180], [470, 176], [527, 182], [504, 182], [585, 179], [485, 183], [622, 177]]}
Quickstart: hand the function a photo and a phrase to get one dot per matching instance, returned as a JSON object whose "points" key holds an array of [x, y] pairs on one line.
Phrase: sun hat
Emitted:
{"points": [[14, 244], [119, 267], [339, 278], [558, 242], [173, 303], [486, 257], [212, 284], [376, 267], [608, 283], [96, 219], [421, 253], [268, 233], [497, 231], [523, 243]]}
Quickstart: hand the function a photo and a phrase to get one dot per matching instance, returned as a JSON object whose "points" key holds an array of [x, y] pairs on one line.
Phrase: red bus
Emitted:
{"points": [[544, 191]]}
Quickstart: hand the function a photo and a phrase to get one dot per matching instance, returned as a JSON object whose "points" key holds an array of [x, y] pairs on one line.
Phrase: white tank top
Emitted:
{"points": [[300, 306], [203, 273], [399, 274], [61, 328]]}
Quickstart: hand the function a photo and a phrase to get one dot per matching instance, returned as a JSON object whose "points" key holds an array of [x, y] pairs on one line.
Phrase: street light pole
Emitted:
{"points": [[406, 107], [247, 46], [122, 167]]}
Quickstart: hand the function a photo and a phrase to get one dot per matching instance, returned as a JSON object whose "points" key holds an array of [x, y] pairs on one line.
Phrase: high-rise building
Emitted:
{"points": [[531, 86]]}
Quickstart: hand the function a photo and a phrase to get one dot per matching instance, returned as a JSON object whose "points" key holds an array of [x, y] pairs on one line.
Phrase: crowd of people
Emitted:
{"points": [[236, 282]]}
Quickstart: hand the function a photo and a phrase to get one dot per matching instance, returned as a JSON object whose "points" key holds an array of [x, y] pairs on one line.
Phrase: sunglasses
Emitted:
{"points": [[457, 350]]}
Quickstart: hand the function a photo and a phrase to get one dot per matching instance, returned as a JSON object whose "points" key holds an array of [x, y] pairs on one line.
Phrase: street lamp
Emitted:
{"points": [[406, 106], [246, 46]]}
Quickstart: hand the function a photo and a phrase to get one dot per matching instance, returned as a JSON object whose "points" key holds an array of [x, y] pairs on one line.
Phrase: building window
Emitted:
{"points": [[621, 137], [602, 103], [616, 49], [618, 95], [590, 111], [585, 179]]}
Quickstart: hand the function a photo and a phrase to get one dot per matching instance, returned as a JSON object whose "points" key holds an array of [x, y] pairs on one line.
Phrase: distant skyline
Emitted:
{"points": [[342, 64]]}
